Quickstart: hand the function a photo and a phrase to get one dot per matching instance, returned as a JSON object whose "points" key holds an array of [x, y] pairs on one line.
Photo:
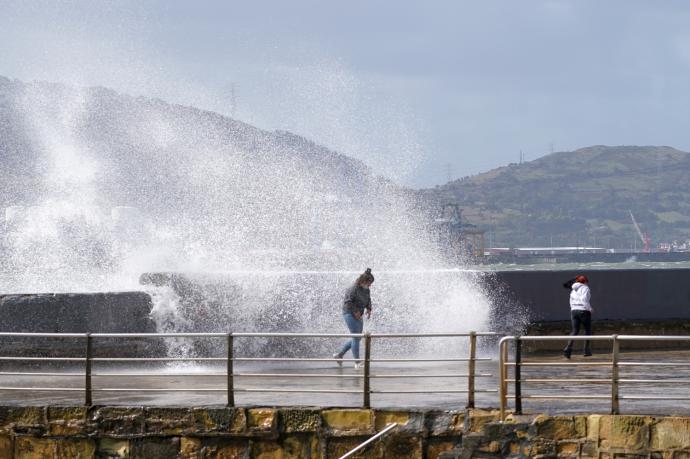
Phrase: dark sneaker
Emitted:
{"points": [[566, 354], [587, 353]]}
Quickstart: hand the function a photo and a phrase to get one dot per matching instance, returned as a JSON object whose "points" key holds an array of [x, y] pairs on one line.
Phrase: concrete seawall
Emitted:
{"points": [[617, 294], [114, 312], [312, 433]]}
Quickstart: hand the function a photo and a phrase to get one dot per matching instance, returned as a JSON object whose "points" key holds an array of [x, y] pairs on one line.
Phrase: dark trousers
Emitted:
{"points": [[577, 318]]}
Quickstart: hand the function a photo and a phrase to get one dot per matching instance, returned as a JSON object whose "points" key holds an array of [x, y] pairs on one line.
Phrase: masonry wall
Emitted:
{"points": [[312, 433]]}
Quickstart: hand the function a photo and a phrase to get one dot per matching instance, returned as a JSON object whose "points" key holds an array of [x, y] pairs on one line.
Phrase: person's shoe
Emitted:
{"points": [[587, 354], [338, 359], [359, 365], [566, 354]]}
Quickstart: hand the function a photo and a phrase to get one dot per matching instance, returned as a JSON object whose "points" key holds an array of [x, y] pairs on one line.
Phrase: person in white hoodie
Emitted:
{"points": [[580, 312]]}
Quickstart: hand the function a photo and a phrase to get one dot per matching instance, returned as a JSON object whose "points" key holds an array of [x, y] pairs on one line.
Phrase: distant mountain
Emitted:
{"points": [[579, 198], [195, 187], [130, 149]]}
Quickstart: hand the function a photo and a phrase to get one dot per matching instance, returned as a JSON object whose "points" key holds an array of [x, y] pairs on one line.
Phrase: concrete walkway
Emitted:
{"points": [[197, 380]]}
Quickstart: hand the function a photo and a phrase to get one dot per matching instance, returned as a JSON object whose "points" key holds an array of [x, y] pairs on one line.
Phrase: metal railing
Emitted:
{"points": [[230, 361], [614, 365]]}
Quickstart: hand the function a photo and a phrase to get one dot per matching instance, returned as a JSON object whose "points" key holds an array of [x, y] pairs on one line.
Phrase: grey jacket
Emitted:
{"points": [[357, 299]]}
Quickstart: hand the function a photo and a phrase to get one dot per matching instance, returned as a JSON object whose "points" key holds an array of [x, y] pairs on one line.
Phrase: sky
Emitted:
{"points": [[420, 91]]}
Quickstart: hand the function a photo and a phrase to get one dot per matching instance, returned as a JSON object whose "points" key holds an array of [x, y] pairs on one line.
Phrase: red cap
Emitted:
{"points": [[581, 279]]}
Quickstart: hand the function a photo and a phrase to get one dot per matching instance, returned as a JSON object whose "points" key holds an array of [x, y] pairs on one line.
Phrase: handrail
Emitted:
{"points": [[230, 359], [614, 381], [363, 445]]}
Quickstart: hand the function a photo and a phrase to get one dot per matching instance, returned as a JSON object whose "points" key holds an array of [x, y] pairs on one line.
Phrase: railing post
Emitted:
{"points": [[615, 348], [518, 377], [471, 367], [502, 378], [230, 372], [87, 372], [367, 358]]}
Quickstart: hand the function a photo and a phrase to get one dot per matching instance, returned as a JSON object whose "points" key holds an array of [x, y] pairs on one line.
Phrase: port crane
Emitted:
{"points": [[645, 239]]}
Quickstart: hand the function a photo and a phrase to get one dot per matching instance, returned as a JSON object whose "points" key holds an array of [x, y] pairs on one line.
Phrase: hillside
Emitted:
{"points": [[92, 177], [129, 149], [579, 198]]}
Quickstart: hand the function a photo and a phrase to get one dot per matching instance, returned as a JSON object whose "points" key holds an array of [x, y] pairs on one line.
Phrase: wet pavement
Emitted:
{"points": [[415, 385]]}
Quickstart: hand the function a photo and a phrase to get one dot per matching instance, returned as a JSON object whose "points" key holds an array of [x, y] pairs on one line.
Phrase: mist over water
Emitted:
{"points": [[268, 227]]}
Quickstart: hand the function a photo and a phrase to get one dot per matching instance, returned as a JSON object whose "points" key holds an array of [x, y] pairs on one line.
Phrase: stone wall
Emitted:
{"points": [[252, 433], [581, 437], [313, 433]]}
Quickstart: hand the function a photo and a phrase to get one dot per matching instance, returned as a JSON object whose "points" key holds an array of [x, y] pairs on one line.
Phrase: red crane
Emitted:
{"points": [[645, 239]]}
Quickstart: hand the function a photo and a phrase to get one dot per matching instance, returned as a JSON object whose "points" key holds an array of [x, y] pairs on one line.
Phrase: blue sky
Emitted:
{"points": [[411, 88]]}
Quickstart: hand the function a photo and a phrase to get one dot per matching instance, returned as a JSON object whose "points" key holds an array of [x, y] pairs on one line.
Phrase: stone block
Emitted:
{"points": [[30, 420], [224, 448], [218, 421], [593, 427], [439, 423], [348, 421], [33, 448], [6, 447], [477, 419], [514, 448], [681, 455], [82, 448], [403, 447], [40, 448], [408, 421], [153, 447], [300, 420], [589, 449], [167, 421], [567, 448], [629, 456], [559, 427], [436, 447], [190, 448], [262, 421], [116, 422], [629, 432], [539, 447], [491, 447], [472, 441], [291, 447], [671, 433], [111, 448], [515, 431], [67, 421], [338, 446]]}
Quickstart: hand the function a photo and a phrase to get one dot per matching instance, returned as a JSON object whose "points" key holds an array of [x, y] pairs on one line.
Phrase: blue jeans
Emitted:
{"points": [[355, 326], [580, 318]]}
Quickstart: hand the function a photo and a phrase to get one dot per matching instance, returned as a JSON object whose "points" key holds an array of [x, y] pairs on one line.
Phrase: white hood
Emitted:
{"points": [[579, 297]]}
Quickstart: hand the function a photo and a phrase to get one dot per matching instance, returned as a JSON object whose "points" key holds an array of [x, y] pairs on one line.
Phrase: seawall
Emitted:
{"points": [[112, 312], [617, 294], [312, 433]]}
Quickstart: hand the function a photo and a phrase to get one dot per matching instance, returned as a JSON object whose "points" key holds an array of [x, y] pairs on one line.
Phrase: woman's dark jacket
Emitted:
{"points": [[357, 299]]}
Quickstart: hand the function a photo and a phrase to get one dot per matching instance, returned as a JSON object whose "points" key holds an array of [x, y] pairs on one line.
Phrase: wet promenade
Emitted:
{"points": [[664, 374]]}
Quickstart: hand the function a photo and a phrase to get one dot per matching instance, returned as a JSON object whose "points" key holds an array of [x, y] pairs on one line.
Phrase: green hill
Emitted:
{"points": [[579, 198]]}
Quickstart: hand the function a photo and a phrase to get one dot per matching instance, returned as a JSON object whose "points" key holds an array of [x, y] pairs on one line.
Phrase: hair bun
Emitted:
{"points": [[368, 271]]}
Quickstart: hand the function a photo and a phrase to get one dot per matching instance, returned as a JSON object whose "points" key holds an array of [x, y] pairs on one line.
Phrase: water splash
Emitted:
{"points": [[128, 185]]}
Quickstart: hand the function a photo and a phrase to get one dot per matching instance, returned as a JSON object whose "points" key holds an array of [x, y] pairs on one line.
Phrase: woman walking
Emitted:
{"points": [[357, 300], [580, 312]]}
